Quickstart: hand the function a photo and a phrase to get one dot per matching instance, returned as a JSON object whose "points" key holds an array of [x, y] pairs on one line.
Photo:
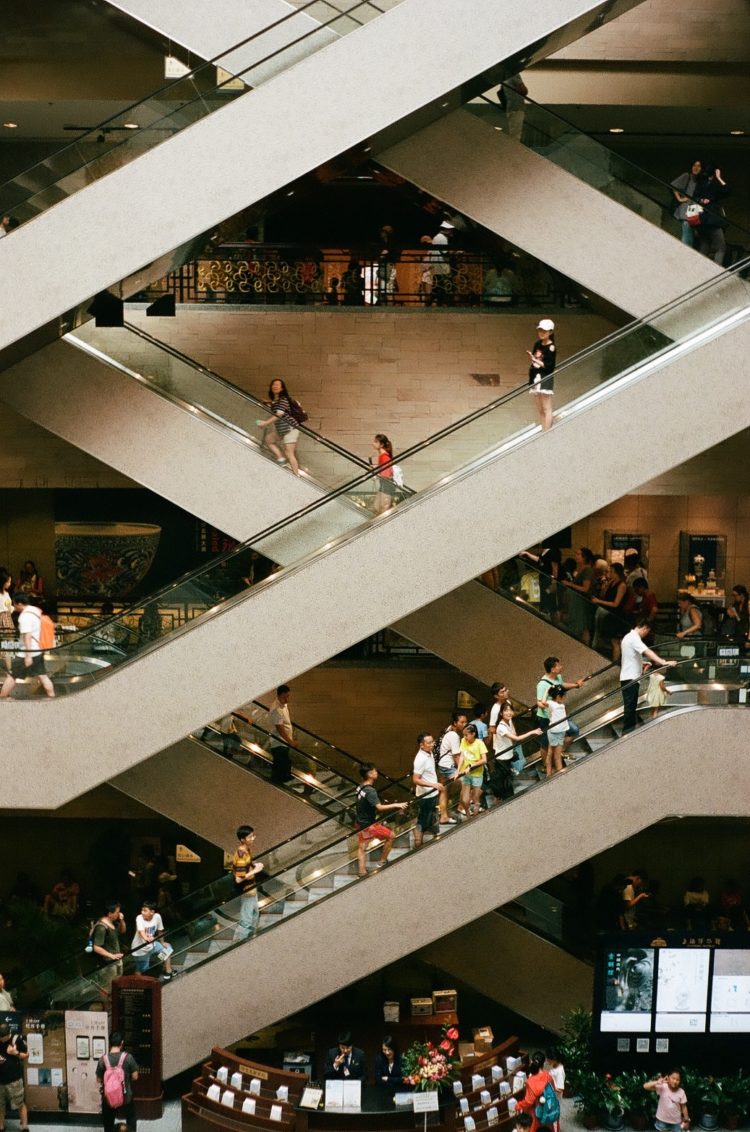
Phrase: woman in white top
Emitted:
{"points": [[6, 603], [506, 729]]}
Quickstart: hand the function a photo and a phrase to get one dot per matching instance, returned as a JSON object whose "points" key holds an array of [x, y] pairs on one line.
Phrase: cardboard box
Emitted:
{"points": [[420, 1006], [444, 1001], [484, 1039], [466, 1051], [391, 1011]]}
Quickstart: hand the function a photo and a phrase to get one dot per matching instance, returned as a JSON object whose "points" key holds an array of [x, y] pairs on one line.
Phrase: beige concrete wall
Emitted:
{"points": [[458, 157], [374, 711], [67, 254], [663, 517], [358, 372], [394, 565], [517, 968], [365, 927], [672, 30], [212, 796]]}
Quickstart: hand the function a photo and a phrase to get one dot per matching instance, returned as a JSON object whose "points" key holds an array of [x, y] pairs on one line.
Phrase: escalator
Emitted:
{"points": [[577, 184], [393, 562], [548, 827], [184, 135], [322, 779], [189, 433]]}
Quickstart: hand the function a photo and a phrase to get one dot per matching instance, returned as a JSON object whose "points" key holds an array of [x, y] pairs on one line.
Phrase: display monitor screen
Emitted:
{"points": [[670, 994]]}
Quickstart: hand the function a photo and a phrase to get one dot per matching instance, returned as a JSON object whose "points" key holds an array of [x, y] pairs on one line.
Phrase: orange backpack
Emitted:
{"points": [[46, 632]]}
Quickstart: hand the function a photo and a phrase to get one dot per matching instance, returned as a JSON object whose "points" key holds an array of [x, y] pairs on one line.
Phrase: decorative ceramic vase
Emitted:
{"points": [[98, 560]]}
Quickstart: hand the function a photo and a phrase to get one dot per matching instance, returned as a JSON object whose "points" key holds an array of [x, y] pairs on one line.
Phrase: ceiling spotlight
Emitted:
{"points": [[290, 193], [10, 125], [616, 130], [445, 105], [734, 133], [130, 126]]}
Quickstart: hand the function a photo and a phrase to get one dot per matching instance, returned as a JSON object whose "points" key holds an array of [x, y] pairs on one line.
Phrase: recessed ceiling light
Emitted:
{"points": [[734, 133], [616, 130], [290, 193], [10, 125], [130, 126], [500, 128], [445, 105], [367, 149]]}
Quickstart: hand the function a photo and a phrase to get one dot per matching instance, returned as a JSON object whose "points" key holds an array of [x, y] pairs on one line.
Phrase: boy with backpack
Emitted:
{"points": [[116, 1072]]}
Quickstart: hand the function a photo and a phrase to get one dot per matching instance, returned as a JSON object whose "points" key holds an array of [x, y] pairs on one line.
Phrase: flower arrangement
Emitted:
{"points": [[428, 1066]]}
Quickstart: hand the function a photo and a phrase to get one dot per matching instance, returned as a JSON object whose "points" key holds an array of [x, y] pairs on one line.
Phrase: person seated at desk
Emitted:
{"points": [[345, 1062], [388, 1068]]}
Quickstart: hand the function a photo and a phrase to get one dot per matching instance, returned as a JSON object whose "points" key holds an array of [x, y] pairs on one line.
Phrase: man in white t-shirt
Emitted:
{"points": [[429, 789], [31, 660], [631, 669], [147, 947], [283, 734]]}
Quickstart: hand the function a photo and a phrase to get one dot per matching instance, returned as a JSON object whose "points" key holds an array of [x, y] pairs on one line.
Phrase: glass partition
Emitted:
{"points": [[562, 143], [627, 356], [208, 87], [196, 388], [322, 861]]}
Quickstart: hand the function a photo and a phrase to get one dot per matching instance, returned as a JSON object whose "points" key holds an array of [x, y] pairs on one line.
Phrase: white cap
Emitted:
{"points": [[545, 324], [447, 224]]}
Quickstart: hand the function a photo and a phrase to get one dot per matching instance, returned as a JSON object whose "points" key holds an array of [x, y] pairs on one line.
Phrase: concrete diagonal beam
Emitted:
{"points": [[700, 752], [548, 212], [65, 255]]}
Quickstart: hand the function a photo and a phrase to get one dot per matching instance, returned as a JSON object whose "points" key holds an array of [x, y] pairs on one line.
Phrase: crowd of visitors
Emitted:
{"points": [[699, 194], [634, 901]]}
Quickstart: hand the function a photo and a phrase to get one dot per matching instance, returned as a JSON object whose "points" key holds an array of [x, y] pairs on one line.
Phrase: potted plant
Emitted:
{"points": [[575, 1046], [735, 1103], [613, 1111], [592, 1094], [640, 1105], [709, 1098]]}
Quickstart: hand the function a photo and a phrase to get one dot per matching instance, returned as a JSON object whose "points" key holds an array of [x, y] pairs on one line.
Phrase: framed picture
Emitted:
{"points": [[83, 1047], [98, 1047]]}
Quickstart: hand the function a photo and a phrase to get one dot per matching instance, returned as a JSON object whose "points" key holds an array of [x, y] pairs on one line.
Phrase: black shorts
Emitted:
{"points": [[19, 669]]}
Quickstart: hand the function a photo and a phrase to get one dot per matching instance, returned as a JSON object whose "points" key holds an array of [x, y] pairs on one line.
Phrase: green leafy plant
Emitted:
{"points": [[636, 1100], [575, 1045], [709, 1094], [592, 1093], [735, 1093]]}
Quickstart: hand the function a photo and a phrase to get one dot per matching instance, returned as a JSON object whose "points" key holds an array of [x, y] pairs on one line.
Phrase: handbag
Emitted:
{"points": [[694, 215]]}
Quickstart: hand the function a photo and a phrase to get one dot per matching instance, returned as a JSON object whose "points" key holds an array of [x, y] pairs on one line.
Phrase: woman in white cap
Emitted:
{"points": [[541, 381]]}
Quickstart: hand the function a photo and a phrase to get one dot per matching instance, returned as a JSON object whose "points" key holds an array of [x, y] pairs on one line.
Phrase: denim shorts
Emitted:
{"points": [[473, 779]]}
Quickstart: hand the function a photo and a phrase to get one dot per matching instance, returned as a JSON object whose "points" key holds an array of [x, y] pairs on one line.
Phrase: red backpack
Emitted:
{"points": [[113, 1085]]}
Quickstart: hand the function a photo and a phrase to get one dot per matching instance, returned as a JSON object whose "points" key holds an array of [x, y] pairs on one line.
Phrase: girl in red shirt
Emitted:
{"points": [[535, 1085]]}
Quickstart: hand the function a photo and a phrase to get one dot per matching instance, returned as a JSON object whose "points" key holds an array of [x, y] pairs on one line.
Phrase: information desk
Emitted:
{"points": [[202, 1112]]}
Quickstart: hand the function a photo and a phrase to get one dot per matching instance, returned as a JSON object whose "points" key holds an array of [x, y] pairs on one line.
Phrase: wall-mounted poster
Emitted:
{"points": [[703, 560], [84, 1030], [44, 1070], [619, 543]]}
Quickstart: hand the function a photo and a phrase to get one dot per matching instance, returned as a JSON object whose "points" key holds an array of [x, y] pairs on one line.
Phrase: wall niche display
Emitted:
{"points": [[100, 560], [619, 543], [703, 559]]}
